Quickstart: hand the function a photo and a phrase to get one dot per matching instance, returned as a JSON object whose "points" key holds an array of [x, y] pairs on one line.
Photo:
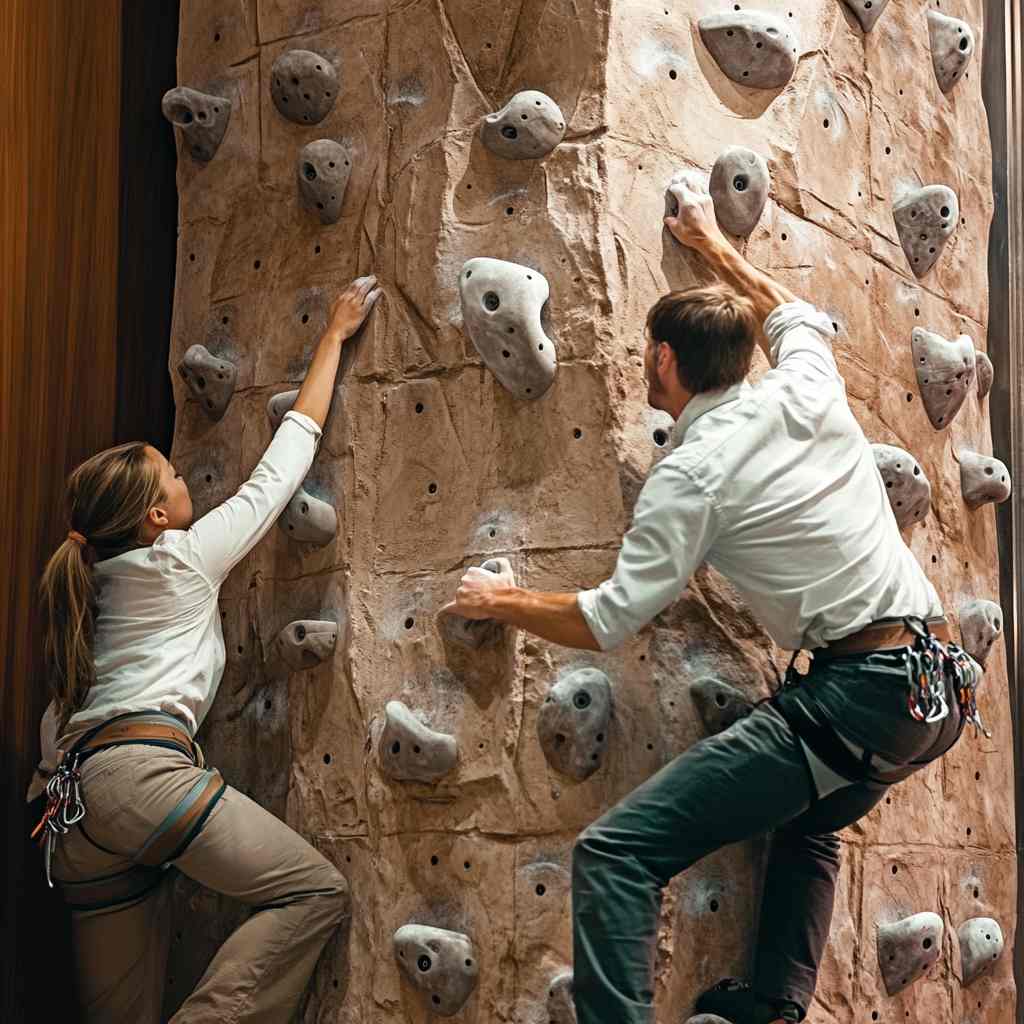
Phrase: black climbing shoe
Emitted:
{"points": [[736, 1002]]}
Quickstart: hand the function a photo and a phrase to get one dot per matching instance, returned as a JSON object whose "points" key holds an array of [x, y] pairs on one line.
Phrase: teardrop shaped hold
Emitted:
{"points": [[306, 643], [528, 127], [309, 520], [719, 704], [740, 183], [409, 751], [501, 310], [983, 479], [752, 48], [573, 723], [925, 218], [561, 1009], [210, 379], [906, 486], [202, 119], [945, 373], [440, 964], [907, 949], [981, 945], [985, 373], [303, 85], [867, 11], [952, 42], [323, 169], [981, 624], [278, 405]]}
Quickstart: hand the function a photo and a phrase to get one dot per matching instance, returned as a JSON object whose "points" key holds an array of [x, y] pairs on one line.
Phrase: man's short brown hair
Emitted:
{"points": [[712, 331]]}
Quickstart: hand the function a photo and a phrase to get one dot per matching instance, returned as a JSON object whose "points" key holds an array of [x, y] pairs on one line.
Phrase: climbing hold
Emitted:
{"points": [[925, 218], [908, 948], [707, 1018], [981, 624], [561, 1007], [306, 643], [679, 184], [303, 85], [986, 374], [719, 704], [323, 170], [739, 186], [528, 127], [203, 119], [439, 963], [867, 11], [210, 379], [573, 722], [409, 751], [279, 405], [981, 945], [501, 308], [945, 373], [309, 520], [983, 479], [751, 47], [910, 493], [952, 42], [474, 633]]}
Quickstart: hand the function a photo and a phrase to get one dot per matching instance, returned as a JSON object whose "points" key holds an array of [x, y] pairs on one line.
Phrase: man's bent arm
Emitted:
{"points": [[553, 617]]}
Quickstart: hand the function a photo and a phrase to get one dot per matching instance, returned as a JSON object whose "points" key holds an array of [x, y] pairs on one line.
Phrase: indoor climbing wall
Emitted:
{"points": [[504, 170]]}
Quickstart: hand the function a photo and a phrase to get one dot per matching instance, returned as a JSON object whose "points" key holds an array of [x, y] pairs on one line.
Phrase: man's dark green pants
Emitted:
{"points": [[747, 781]]}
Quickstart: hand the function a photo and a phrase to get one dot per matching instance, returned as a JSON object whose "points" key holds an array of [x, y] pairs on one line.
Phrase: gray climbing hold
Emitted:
{"points": [[411, 752], [573, 723], [323, 170], [306, 643], [981, 624], [751, 47], [945, 373], [952, 42], [867, 11], [309, 520], [983, 479], [719, 704], [739, 185], [501, 308], [210, 379], [440, 964], [561, 1007], [981, 945], [908, 948], [203, 119], [528, 127], [925, 218], [708, 1018], [303, 85], [986, 374], [474, 633], [279, 405], [908, 489]]}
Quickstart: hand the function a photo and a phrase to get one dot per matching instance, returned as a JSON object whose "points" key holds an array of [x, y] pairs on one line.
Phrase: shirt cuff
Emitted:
{"points": [[304, 421], [607, 638], [790, 315]]}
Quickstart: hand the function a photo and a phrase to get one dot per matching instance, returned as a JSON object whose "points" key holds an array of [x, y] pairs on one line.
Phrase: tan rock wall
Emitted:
{"points": [[550, 483]]}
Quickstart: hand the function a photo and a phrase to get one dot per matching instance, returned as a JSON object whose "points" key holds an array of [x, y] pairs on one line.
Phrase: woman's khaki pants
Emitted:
{"points": [[243, 851]]}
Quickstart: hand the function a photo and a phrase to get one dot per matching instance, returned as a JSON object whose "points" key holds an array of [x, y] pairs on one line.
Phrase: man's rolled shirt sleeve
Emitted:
{"points": [[800, 337], [674, 525]]}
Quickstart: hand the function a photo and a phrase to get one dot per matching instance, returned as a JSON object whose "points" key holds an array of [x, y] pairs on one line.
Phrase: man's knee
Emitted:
{"points": [[823, 848], [337, 897]]}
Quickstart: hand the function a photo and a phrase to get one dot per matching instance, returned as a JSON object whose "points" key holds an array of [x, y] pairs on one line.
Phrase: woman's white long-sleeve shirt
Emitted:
{"points": [[158, 643]]}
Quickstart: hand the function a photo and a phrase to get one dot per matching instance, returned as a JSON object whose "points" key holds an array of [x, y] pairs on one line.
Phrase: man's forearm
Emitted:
{"points": [[554, 617]]}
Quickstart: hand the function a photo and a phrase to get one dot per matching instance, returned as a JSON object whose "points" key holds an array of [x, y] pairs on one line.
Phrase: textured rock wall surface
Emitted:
{"points": [[433, 466]]}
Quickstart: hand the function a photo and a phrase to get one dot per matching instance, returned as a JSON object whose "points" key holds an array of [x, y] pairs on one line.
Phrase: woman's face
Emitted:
{"points": [[174, 511]]}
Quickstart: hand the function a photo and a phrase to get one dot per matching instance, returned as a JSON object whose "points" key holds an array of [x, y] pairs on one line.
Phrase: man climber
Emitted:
{"points": [[775, 486]]}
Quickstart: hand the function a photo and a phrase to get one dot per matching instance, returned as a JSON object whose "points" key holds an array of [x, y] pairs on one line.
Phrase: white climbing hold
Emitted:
{"points": [[925, 218], [907, 949], [986, 374], [306, 643], [561, 1007], [906, 486], [945, 373], [210, 379], [719, 704], [867, 11], [981, 945], [983, 479], [440, 964], [474, 633], [751, 47], [278, 405], [981, 624], [309, 520], [323, 169], [203, 119], [303, 85], [739, 186], [952, 42], [410, 751], [528, 127], [573, 723]]}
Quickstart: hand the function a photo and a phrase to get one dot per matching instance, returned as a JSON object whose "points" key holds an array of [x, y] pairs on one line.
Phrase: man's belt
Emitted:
{"points": [[881, 636]]}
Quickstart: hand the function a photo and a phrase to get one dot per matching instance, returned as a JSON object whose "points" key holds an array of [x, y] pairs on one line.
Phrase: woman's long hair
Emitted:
{"points": [[108, 498]]}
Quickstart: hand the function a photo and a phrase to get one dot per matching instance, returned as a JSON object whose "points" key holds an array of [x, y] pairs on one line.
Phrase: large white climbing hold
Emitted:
{"points": [[323, 169], [440, 964], [410, 751], [306, 643], [561, 1008], [986, 374], [210, 379], [528, 127], [906, 486], [309, 520], [981, 945], [739, 186], [501, 308], [907, 949], [719, 704], [945, 373], [573, 723], [981, 624], [203, 119], [751, 47], [303, 85], [982, 479], [867, 11], [952, 42], [925, 218]]}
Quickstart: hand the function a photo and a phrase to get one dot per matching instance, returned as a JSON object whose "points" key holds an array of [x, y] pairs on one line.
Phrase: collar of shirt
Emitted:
{"points": [[702, 403]]}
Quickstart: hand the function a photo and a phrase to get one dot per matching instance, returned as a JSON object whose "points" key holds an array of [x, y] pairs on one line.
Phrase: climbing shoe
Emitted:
{"points": [[737, 1002]]}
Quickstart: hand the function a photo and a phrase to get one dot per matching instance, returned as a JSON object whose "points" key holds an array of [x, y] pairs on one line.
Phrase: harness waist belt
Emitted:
{"points": [[880, 636]]}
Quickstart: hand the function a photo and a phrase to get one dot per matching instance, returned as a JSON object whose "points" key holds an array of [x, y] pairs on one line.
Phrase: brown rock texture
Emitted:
{"points": [[433, 466]]}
